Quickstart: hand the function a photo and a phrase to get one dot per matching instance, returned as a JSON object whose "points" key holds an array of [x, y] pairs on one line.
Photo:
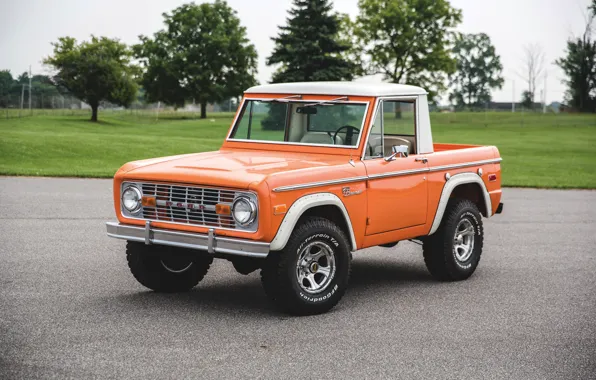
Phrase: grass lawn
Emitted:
{"points": [[538, 150], [73, 146]]}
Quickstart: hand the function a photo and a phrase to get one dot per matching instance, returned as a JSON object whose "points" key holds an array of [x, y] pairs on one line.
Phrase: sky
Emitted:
{"points": [[27, 28]]}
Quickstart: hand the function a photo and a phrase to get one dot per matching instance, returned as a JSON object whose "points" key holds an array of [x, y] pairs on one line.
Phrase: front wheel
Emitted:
{"points": [[310, 275], [452, 253], [167, 269]]}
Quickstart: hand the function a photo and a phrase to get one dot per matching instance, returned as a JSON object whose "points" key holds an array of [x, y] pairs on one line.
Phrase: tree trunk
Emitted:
{"points": [[397, 108], [203, 109], [94, 108]]}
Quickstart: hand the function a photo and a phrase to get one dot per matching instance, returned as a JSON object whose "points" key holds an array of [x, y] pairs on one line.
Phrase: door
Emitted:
{"points": [[397, 189]]}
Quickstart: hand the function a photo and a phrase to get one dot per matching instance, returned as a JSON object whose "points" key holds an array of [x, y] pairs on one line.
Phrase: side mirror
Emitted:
{"points": [[398, 150]]}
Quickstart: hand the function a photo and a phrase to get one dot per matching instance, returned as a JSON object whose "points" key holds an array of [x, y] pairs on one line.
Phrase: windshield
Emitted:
{"points": [[332, 123]]}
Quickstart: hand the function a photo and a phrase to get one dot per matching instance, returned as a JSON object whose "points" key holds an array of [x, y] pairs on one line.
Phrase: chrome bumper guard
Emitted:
{"points": [[210, 242]]}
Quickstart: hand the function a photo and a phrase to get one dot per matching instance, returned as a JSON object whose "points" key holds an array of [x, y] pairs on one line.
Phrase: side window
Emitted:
{"points": [[399, 124], [399, 118]]}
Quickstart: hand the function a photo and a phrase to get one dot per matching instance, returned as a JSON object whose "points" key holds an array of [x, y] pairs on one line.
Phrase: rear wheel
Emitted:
{"points": [[452, 253], [310, 275], [167, 269]]}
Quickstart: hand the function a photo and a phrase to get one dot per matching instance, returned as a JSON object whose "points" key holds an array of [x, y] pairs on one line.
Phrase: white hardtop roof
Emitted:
{"points": [[337, 88]]}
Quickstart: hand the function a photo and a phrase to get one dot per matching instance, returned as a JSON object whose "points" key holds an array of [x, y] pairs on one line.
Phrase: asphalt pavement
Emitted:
{"points": [[70, 309]]}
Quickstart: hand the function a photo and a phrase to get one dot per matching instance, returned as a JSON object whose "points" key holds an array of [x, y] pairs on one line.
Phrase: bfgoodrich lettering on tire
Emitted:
{"points": [[310, 275], [452, 253]]}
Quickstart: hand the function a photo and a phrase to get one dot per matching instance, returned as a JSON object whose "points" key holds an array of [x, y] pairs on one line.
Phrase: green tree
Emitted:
{"points": [[6, 83], [408, 41], [43, 89], [347, 37], [17, 87], [23, 78], [42, 80], [203, 54], [527, 100], [478, 70], [309, 47], [579, 66], [94, 71]]}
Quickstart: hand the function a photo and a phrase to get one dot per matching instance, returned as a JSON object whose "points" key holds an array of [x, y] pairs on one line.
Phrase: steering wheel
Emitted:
{"points": [[349, 133]]}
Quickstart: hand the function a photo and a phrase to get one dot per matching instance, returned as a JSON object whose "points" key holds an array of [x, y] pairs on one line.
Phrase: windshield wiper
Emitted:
{"points": [[283, 100], [288, 99], [325, 102]]}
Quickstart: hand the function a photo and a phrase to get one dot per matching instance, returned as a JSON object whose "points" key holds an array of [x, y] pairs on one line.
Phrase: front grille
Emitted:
{"points": [[189, 205]]}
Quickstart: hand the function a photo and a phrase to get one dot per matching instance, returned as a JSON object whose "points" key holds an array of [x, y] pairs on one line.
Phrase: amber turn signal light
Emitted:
{"points": [[148, 201], [222, 209], [279, 209]]}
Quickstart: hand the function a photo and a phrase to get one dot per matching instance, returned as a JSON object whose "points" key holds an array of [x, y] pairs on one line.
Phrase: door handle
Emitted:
{"points": [[424, 160]]}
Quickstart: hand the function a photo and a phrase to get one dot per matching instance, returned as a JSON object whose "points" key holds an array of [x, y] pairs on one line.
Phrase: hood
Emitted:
{"points": [[236, 168]]}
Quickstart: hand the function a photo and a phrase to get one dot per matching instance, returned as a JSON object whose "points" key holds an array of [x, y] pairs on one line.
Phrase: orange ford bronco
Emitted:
{"points": [[308, 173]]}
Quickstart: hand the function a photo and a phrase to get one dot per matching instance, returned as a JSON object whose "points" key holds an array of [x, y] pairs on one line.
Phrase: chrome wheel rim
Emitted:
{"points": [[463, 241], [176, 265], [316, 267]]}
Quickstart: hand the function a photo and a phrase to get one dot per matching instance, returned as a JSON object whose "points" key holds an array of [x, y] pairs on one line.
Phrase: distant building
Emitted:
{"points": [[506, 106], [557, 107]]}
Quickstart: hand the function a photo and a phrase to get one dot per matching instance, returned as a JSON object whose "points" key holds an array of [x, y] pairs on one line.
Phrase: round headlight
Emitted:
{"points": [[244, 211], [131, 199]]}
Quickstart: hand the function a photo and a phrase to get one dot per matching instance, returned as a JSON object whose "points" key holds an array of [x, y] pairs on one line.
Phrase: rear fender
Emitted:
{"points": [[450, 185]]}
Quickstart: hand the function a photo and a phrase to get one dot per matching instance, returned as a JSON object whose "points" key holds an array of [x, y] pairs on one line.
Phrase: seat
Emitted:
{"points": [[320, 138], [390, 141], [375, 146]]}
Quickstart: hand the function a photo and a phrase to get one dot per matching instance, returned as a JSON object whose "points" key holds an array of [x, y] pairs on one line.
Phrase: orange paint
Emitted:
{"points": [[397, 207]]}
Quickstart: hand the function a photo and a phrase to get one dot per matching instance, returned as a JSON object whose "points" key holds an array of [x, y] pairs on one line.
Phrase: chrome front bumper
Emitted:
{"points": [[210, 242]]}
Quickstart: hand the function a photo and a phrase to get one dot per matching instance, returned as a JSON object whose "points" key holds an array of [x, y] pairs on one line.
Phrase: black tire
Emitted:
{"points": [[279, 274], [246, 265], [440, 253], [167, 269]]}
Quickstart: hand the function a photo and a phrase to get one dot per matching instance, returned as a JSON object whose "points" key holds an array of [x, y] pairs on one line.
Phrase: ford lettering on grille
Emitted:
{"points": [[188, 205]]}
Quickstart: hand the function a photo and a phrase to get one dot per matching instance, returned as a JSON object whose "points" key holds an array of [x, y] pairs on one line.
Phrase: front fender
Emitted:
{"points": [[299, 207]]}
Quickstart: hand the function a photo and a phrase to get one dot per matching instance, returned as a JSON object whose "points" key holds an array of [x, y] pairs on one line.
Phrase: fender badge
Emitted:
{"points": [[346, 191]]}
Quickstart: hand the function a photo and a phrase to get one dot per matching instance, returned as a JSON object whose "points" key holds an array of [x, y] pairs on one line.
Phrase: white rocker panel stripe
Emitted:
{"points": [[298, 208], [450, 185]]}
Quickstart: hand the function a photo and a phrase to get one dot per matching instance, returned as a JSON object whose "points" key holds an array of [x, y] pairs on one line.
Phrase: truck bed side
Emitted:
{"points": [[439, 147]]}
